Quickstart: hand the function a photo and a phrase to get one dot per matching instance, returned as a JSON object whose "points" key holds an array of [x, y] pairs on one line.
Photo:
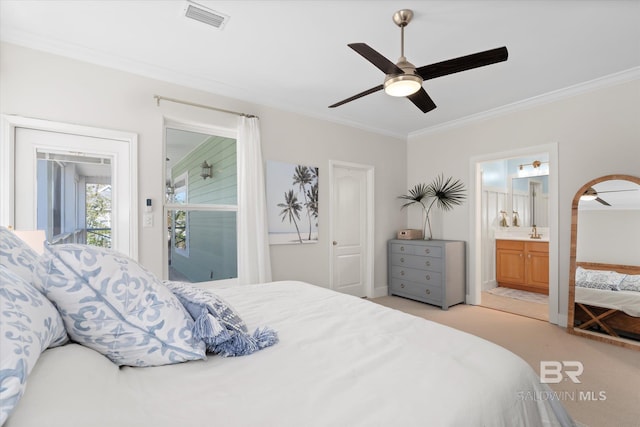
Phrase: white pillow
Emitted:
{"points": [[29, 324], [630, 283], [598, 279], [112, 304]]}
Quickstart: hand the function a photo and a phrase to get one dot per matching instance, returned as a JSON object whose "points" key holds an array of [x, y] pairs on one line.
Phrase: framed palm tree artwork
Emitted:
{"points": [[292, 203]]}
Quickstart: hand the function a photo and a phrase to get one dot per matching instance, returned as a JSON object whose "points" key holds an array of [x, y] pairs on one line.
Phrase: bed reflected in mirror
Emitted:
{"points": [[604, 291]]}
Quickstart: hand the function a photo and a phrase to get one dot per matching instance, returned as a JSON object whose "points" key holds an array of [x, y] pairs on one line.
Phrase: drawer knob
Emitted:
{"points": [[428, 277], [401, 248], [402, 285], [401, 259], [428, 263], [402, 273], [428, 291], [427, 250]]}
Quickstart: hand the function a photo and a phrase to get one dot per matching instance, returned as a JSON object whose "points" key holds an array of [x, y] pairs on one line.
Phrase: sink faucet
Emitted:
{"points": [[534, 233]]}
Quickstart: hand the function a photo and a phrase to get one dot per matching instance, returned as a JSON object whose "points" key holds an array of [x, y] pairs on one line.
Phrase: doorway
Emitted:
{"points": [[351, 228], [490, 207], [26, 139], [201, 203]]}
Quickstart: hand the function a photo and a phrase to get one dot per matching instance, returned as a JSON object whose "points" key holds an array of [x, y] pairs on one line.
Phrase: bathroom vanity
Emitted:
{"points": [[523, 263]]}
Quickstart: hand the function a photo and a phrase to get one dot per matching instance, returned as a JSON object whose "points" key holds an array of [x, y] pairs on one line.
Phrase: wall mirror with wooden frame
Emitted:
{"points": [[604, 282]]}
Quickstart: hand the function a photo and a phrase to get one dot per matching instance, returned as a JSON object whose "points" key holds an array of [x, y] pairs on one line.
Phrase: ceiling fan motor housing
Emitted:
{"points": [[403, 84]]}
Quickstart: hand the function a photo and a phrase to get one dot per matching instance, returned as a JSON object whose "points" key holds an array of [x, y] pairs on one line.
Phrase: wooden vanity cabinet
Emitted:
{"points": [[523, 265]]}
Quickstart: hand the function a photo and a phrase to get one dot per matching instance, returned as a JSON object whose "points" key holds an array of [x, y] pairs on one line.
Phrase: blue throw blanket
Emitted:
{"points": [[218, 325]]}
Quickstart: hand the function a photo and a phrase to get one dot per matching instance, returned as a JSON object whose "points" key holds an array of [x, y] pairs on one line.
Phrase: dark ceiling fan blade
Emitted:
{"points": [[618, 191], [376, 58], [463, 63], [422, 100], [360, 95], [598, 199]]}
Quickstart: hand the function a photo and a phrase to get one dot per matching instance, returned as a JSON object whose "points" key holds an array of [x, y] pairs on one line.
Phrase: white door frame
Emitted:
{"points": [[475, 239], [126, 212], [368, 255]]}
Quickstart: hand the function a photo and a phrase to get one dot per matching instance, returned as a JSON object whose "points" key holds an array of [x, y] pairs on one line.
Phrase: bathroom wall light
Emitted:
{"points": [[206, 170], [537, 168]]}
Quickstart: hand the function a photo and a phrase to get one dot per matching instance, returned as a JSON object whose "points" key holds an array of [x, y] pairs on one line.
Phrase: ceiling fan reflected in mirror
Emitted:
{"points": [[404, 79], [592, 194]]}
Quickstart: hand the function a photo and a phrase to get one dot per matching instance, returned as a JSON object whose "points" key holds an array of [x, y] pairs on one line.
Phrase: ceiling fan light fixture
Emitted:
{"points": [[402, 84], [590, 194]]}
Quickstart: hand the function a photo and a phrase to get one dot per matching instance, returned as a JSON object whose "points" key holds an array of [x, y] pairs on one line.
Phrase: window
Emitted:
{"points": [[180, 224], [74, 198], [98, 214], [201, 207]]}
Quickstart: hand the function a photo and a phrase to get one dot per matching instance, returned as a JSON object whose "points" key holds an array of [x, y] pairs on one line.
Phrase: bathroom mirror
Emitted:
{"points": [[530, 201], [604, 281]]}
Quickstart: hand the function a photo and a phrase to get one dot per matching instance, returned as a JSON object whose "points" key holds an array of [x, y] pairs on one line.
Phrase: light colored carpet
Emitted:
{"points": [[607, 368], [521, 295]]}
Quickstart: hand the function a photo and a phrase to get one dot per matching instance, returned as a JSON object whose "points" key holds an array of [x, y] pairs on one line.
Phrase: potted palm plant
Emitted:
{"points": [[441, 192]]}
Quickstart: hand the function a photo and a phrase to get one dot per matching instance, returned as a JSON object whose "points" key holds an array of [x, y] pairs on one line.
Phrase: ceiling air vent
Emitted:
{"points": [[205, 15]]}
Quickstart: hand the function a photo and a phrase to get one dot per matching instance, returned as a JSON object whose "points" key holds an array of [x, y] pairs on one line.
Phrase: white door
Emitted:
{"points": [[28, 137], [351, 229]]}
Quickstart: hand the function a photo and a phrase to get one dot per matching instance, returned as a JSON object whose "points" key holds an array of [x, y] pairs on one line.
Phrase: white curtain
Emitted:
{"points": [[254, 262]]}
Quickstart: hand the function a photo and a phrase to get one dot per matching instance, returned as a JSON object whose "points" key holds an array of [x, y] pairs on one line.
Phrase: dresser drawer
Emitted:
{"points": [[401, 248], [426, 250], [416, 290], [415, 261], [418, 276]]}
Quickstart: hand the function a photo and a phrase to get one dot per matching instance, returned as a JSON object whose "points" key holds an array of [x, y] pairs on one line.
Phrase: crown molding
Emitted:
{"points": [[549, 97]]}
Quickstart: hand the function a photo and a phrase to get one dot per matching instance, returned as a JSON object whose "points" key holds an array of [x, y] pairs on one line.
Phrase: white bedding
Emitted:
{"points": [[626, 301], [341, 361]]}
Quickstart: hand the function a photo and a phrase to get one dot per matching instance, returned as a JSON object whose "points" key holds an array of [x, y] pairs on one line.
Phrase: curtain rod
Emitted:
{"points": [[159, 98]]}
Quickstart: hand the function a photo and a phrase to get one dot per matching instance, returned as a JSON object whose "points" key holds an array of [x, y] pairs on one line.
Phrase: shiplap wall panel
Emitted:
{"points": [[494, 200]]}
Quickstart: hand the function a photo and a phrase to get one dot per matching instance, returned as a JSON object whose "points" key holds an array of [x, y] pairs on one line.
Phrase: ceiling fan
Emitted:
{"points": [[404, 79], [592, 194]]}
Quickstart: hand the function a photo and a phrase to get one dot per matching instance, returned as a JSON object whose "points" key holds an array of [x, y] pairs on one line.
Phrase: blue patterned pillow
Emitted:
{"points": [[29, 324], [218, 324], [112, 304], [16, 255]]}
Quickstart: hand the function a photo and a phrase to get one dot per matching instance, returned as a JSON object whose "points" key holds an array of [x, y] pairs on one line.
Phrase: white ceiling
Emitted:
{"points": [[293, 55]]}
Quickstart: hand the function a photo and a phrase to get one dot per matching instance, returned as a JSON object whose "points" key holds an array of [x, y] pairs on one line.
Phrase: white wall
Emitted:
{"points": [[40, 85], [609, 236], [598, 133]]}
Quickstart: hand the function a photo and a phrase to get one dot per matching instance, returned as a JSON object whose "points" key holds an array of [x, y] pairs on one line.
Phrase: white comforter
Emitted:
{"points": [[341, 361], [626, 301]]}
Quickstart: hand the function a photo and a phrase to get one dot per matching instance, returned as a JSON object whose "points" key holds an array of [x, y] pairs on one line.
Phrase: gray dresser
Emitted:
{"points": [[431, 271]]}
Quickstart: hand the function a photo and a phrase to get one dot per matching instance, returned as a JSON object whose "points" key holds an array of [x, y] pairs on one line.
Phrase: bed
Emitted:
{"points": [[339, 361], [609, 304]]}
